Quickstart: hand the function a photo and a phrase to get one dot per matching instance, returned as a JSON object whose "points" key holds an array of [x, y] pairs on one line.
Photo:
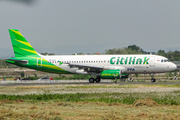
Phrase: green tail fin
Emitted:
{"points": [[20, 45]]}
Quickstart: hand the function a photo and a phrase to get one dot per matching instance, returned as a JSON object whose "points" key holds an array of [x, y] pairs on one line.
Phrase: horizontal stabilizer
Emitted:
{"points": [[18, 61]]}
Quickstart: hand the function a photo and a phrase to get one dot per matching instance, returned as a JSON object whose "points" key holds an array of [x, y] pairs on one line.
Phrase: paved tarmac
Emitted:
{"points": [[84, 82]]}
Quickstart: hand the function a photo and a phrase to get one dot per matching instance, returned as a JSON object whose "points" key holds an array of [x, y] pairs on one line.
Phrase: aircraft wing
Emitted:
{"points": [[87, 68], [97, 69]]}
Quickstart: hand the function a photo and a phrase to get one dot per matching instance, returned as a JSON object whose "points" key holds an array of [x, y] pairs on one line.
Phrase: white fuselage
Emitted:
{"points": [[126, 63]]}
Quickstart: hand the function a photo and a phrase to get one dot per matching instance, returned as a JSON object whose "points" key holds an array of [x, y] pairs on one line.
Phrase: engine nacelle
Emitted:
{"points": [[113, 74], [110, 74]]}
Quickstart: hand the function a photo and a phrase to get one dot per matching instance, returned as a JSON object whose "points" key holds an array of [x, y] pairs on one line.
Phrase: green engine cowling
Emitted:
{"points": [[112, 74]]}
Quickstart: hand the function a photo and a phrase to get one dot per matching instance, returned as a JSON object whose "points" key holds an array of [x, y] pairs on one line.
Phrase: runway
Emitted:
{"points": [[4, 83]]}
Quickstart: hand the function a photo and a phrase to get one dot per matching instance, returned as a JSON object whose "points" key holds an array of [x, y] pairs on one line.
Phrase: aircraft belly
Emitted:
{"points": [[140, 69], [67, 68]]}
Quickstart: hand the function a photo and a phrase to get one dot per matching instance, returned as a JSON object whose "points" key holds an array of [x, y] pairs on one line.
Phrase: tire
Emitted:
{"points": [[91, 80], [153, 80], [98, 80]]}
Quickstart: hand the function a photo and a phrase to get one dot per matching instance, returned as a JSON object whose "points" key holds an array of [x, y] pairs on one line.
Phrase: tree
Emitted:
{"points": [[131, 49], [22, 74], [134, 48], [161, 52]]}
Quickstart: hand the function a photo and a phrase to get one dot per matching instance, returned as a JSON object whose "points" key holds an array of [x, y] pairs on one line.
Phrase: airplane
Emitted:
{"points": [[98, 66]]}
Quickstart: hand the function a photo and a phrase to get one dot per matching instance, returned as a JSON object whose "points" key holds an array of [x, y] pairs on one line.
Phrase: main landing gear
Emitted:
{"points": [[92, 80]]}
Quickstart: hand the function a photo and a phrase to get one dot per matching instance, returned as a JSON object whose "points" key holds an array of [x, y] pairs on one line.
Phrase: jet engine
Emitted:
{"points": [[112, 74]]}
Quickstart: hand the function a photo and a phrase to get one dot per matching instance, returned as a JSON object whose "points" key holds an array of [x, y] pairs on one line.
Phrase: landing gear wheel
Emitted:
{"points": [[91, 80], [153, 80], [97, 80]]}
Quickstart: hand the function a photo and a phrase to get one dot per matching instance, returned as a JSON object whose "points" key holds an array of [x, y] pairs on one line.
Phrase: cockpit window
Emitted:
{"points": [[165, 60]]}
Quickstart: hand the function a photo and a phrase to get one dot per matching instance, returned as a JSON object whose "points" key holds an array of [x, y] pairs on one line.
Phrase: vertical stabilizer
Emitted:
{"points": [[20, 45]]}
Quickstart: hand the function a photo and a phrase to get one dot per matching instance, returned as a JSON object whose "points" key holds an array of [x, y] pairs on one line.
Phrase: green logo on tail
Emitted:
{"points": [[60, 63]]}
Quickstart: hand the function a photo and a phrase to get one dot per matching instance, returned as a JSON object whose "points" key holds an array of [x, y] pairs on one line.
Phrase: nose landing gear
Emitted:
{"points": [[152, 78]]}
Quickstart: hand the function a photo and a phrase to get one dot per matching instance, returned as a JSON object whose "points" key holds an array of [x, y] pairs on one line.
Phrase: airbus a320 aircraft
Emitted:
{"points": [[99, 66]]}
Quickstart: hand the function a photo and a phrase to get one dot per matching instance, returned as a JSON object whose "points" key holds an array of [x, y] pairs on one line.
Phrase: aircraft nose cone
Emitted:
{"points": [[173, 66]]}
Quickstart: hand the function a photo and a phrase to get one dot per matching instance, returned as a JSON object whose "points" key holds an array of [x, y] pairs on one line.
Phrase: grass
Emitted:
{"points": [[84, 110], [126, 94], [125, 86], [172, 98], [102, 86], [135, 102]]}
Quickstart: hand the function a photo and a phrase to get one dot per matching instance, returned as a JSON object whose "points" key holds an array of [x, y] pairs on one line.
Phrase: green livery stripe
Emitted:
{"points": [[31, 51], [46, 64], [25, 43], [34, 64], [52, 67], [10, 61], [48, 67], [17, 32], [18, 53], [39, 58], [25, 52], [21, 45]]}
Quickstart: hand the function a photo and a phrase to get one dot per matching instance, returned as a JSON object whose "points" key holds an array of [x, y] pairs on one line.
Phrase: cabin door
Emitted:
{"points": [[151, 62], [39, 62]]}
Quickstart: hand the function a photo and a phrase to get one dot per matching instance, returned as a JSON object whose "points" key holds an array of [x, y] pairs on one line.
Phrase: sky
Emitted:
{"points": [[89, 26]]}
